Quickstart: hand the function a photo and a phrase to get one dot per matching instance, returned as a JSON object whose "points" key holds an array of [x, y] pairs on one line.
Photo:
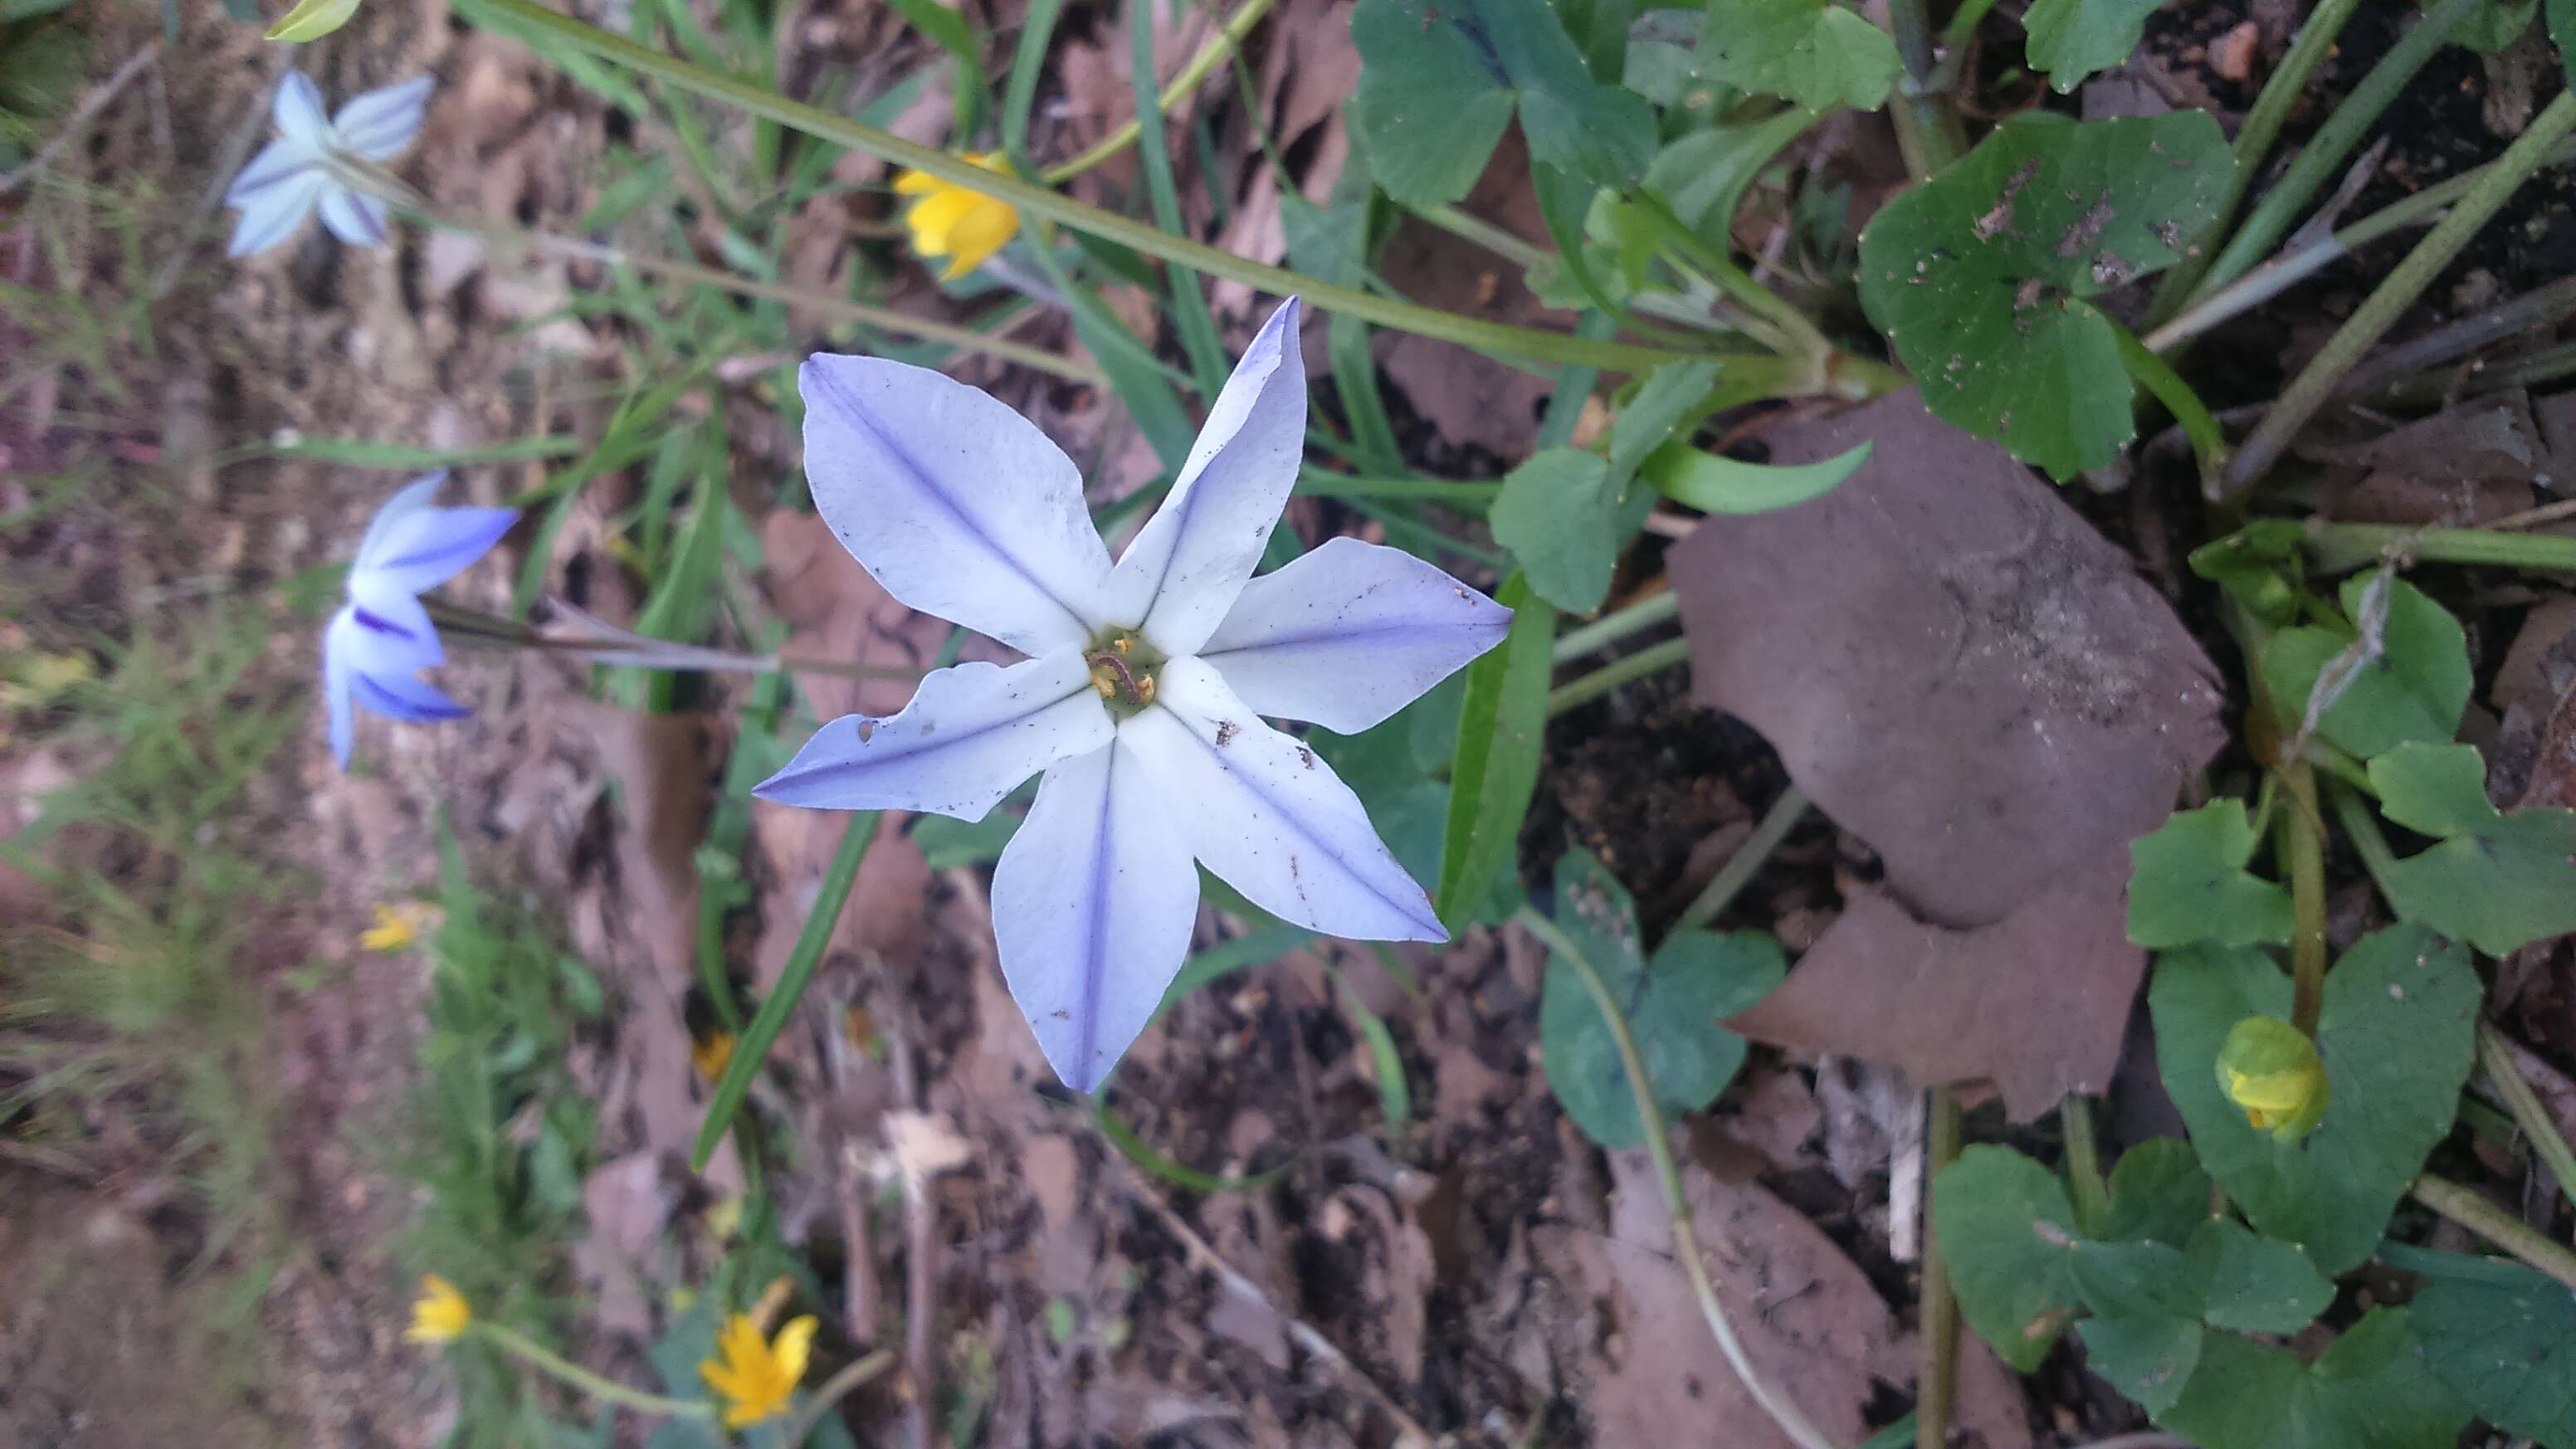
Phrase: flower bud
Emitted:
{"points": [[2270, 1069]]}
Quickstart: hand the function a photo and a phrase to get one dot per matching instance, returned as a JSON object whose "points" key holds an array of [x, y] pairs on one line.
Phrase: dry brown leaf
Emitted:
{"points": [[2034, 1003], [1473, 400], [1950, 661]]}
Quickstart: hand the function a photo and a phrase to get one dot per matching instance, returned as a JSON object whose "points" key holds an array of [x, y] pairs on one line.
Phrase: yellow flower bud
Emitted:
{"points": [[441, 1313], [313, 19], [949, 220], [2270, 1069]]}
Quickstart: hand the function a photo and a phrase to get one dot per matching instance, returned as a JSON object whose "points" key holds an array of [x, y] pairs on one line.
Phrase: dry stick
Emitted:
{"points": [[91, 104], [1938, 1389], [921, 1241], [2537, 307], [2529, 1113], [1773, 1400], [2466, 1207], [1306, 1336], [2317, 381]]}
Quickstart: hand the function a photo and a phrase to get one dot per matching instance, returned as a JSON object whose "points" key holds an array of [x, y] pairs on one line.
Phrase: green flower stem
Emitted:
{"points": [[1616, 673], [2377, 313], [1746, 862], [2466, 1207], [1219, 49], [1616, 625], [2294, 266], [1471, 228], [2362, 826], [839, 1386], [1056, 207], [2303, 846], [1928, 131], [2208, 443], [2085, 1185], [1795, 334], [2538, 1127], [1954, 43], [2281, 94], [1937, 1382], [2341, 547], [607, 1391], [2271, 217], [1783, 1411]]}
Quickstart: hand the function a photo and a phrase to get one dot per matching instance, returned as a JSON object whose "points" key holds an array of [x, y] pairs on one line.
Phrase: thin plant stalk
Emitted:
{"points": [[854, 1376], [1747, 861], [2303, 848], [1610, 676], [2531, 370], [2538, 307], [1616, 625], [2463, 1205], [2281, 93], [1054, 206], [1928, 131], [2208, 442], [2378, 312], [2085, 1185], [1219, 49], [606, 1391], [1936, 1387], [2547, 1142], [2341, 547], [1955, 37], [1773, 1400]]}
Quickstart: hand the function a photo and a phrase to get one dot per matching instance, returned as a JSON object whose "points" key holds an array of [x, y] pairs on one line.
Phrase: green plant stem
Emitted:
{"points": [[852, 1377], [1793, 1421], [1937, 1382], [1054, 206], [2272, 217], [1746, 862], [2281, 94], [2466, 1207], [1928, 131], [1219, 49], [1954, 43], [2304, 846], [1469, 227], [2208, 443], [1773, 322], [2531, 370], [2090, 1192], [2362, 827], [2301, 262], [2377, 313], [2538, 1127], [2341, 547], [1616, 673], [1616, 625], [2539, 307], [607, 1391]]}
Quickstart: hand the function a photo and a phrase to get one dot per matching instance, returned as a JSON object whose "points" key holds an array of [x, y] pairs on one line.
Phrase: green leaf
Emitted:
{"points": [[1661, 61], [2255, 565], [1496, 764], [2256, 1284], [1440, 79], [2497, 24], [2158, 1192], [2415, 686], [2007, 1232], [2497, 881], [2150, 1359], [1670, 401], [2188, 883], [2369, 1390], [2504, 1340], [1978, 276], [1813, 52], [1672, 1005], [2073, 39], [1711, 484], [947, 843], [1565, 521], [2562, 34], [2145, 1336], [2396, 1035], [1703, 176]]}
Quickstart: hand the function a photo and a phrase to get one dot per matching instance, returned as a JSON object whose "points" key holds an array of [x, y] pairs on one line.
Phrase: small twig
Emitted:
{"points": [[1936, 1391], [858, 1266], [2529, 1113], [87, 111], [839, 1386], [2470, 1210], [2535, 308], [920, 1290], [1746, 863]]}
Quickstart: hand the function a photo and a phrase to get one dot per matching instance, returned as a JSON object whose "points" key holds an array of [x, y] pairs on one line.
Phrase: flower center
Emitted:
{"points": [[1122, 669]]}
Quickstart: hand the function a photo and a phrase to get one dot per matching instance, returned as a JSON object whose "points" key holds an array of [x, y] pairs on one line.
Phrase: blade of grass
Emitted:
{"points": [[1499, 731], [1190, 314]]}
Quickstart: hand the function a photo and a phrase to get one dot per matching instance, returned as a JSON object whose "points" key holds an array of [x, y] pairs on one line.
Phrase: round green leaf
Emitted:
{"points": [[2504, 1338], [2498, 881], [2006, 1230], [2188, 883]]}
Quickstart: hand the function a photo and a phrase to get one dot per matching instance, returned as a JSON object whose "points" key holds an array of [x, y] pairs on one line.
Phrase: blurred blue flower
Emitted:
{"points": [[294, 174], [377, 644], [1143, 694]]}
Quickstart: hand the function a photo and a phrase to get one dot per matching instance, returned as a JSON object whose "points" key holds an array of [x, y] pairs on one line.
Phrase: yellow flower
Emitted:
{"points": [[710, 1056], [313, 19], [2270, 1070], [397, 927], [951, 221], [755, 1378], [440, 1314]]}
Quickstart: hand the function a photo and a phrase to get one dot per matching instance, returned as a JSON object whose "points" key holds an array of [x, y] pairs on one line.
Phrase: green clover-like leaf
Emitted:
{"points": [[2497, 881], [2396, 1035], [2415, 686], [2504, 1339], [2188, 883], [2370, 1389], [2158, 1192], [1814, 52], [1979, 275], [2255, 1284], [2073, 39], [2005, 1228]]}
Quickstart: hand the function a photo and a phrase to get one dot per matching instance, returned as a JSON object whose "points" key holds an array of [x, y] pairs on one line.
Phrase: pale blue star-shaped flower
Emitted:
{"points": [[1143, 694], [375, 647], [293, 176]]}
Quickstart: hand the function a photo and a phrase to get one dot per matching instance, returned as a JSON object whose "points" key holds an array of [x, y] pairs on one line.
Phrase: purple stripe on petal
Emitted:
{"points": [[381, 624], [409, 700]]}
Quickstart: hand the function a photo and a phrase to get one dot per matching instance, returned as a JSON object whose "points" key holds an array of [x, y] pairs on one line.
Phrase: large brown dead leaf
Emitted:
{"points": [[2034, 1003], [1950, 661]]}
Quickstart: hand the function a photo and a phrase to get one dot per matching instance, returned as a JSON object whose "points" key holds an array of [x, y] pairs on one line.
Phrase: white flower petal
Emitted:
{"points": [[1093, 903], [1178, 578], [297, 109], [381, 124], [272, 214], [337, 677], [957, 505], [970, 736], [388, 632], [1349, 634], [407, 500], [354, 218], [276, 163], [1270, 817]]}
